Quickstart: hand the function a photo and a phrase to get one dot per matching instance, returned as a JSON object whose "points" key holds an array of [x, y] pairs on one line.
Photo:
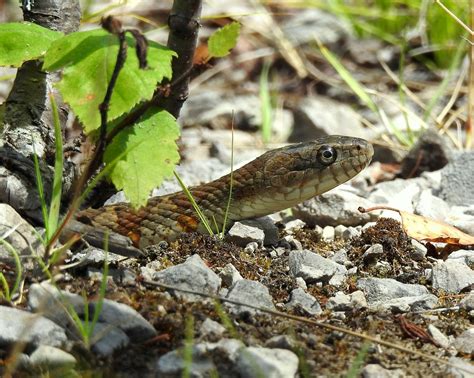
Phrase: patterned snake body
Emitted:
{"points": [[276, 180]]}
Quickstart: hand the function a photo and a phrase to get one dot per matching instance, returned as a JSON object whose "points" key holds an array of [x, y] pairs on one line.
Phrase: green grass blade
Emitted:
{"points": [[6, 289], [348, 78], [401, 96], [225, 320], [188, 346], [40, 187], [78, 323], [196, 207], [18, 268], [53, 217], [103, 285], [392, 129], [356, 366], [265, 104], [442, 88], [231, 186]]}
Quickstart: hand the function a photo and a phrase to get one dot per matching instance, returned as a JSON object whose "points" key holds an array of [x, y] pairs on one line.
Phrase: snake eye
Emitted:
{"points": [[326, 155]]}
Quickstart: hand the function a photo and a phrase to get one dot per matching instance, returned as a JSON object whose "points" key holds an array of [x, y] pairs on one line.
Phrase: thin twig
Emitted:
{"points": [[184, 23], [312, 322], [455, 18], [113, 26]]}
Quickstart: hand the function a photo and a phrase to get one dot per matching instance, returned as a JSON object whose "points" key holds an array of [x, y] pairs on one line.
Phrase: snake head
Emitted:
{"points": [[286, 176], [333, 159]]}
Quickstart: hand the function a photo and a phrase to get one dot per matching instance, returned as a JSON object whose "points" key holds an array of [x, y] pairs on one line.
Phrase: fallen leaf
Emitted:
{"points": [[414, 331], [427, 229]]}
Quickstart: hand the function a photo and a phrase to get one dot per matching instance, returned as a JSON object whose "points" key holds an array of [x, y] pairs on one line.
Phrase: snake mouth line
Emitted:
{"points": [[276, 180]]}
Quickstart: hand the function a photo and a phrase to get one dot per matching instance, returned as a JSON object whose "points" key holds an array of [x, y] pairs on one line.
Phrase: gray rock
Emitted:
{"points": [[467, 302], [294, 243], [350, 233], [384, 289], [329, 234], [249, 292], [433, 180], [334, 208], [463, 255], [430, 206], [405, 304], [207, 358], [172, 364], [339, 278], [377, 371], [107, 339], [339, 231], [373, 252], [302, 27], [318, 231], [430, 153], [464, 343], [347, 302], [271, 363], [301, 300], [211, 329], [418, 303], [21, 326], [340, 302], [374, 51], [452, 276], [268, 226], [230, 275], [215, 108], [242, 234], [419, 250], [294, 225], [194, 275], [358, 300], [281, 342], [462, 217], [150, 269], [439, 337], [459, 368], [404, 199], [456, 180], [94, 256], [52, 358], [301, 283], [251, 248], [19, 233], [319, 116], [340, 257], [53, 304], [311, 266], [389, 192]]}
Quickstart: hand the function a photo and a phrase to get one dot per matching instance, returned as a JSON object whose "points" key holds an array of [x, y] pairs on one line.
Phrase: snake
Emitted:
{"points": [[276, 180]]}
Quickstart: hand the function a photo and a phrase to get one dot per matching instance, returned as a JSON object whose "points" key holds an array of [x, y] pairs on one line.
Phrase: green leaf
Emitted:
{"points": [[53, 217], [152, 155], [88, 59], [223, 40], [24, 41], [356, 87]]}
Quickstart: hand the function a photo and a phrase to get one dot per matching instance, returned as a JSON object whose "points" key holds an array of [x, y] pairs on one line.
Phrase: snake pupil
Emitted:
{"points": [[326, 155]]}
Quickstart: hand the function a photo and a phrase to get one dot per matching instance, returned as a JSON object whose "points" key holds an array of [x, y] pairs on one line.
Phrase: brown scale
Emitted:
{"points": [[294, 165]]}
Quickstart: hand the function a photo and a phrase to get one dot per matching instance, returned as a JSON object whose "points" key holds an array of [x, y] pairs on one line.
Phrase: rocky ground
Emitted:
{"points": [[323, 261], [319, 290]]}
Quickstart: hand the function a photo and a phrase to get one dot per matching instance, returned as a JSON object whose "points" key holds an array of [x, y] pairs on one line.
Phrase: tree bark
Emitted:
{"points": [[184, 23], [28, 124]]}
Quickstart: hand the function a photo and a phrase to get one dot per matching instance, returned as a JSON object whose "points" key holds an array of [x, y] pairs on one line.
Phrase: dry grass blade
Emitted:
{"points": [[301, 319]]}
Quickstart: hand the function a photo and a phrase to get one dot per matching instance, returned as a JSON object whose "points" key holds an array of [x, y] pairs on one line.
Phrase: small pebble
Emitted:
{"points": [[328, 234]]}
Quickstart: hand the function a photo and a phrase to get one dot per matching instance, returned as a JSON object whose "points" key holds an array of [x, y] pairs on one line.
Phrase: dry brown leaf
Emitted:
{"points": [[427, 229]]}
